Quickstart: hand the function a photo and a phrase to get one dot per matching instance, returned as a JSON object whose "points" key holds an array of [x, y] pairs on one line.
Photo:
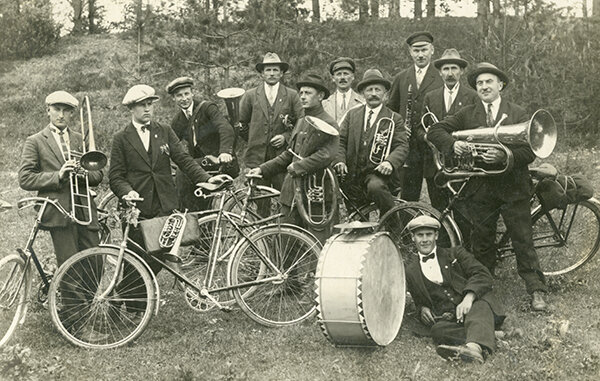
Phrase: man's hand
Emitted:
{"points": [[255, 172], [225, 158], [341, 169], [461, 147], [277, 141], [385, 168], [494, 155], [427, 316], [212, 159], [464, 307], [132, 195], [67, 167]]}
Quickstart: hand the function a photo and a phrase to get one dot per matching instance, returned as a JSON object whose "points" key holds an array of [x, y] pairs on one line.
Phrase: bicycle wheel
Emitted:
{"points": [[396, 219], [291, 298], [108, 217], [268, 197], [578, 224], [87, 319], [14, 286], [196, 259]]}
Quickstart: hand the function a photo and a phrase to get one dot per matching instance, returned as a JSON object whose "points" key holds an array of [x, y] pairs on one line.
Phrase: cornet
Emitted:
{"points": [[382, 141]]}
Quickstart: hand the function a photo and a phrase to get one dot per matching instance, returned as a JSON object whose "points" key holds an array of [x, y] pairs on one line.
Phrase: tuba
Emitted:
{"points": [[232, 97], [316, 194], [88, 160], [539, 133], [382, 141], [172, 234]]}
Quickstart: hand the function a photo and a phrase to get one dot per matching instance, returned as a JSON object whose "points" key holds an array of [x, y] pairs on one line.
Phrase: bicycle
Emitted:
{"points": [[16, 274], [270, 272], [564, 239]]}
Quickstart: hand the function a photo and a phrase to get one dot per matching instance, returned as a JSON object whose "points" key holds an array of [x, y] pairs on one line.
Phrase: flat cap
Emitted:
{"points": [[139, 93], [423, 222], [178, 83], [342, 63], [419, 39], [62, 97]]}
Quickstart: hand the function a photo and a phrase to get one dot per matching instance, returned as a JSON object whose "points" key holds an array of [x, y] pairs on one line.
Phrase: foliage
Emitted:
{"points": [[27, 31]]}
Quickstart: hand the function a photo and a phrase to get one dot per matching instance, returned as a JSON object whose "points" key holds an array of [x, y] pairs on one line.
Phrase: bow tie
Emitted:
{"points": [[427, 257], [145, 127]]}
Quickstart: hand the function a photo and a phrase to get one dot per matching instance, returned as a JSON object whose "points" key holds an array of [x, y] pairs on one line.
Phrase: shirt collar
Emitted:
{"points": [[375, 110], [495, 104], [274, 87], [56, 130], [454, 89], [138, 126], [424, 69], [190, 109], [434, 251]]}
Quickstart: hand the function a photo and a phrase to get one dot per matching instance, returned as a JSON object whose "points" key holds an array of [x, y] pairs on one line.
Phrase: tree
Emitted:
{"points": [[430, 8], [92, 9], [316, 8], [363, 10], [596, 8], [77, 18], [394, 9], [418, 12], [375, 9], [483, 10]]}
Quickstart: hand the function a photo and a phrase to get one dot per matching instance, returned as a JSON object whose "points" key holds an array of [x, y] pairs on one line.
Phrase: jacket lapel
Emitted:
{"points": [[382, 114], [428, 79], [359, 127], [281, 94], [420, 283], [53, 145], [445, 265], [262, 100], [134, 139], [155, 139], [502, 110]]}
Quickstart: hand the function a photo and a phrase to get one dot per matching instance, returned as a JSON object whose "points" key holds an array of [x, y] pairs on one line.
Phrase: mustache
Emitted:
{"points": [[373, 98]]}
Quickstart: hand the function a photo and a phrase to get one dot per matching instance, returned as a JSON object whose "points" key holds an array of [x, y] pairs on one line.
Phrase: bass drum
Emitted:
{"points": [[361, 289]]}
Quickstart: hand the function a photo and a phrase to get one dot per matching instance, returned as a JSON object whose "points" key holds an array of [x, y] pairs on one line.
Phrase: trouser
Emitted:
{"points": [[412, 182], [373, 187], [478, 327], [263, 207], [81, 282], [484, 210], [292, 216], [185, 192]]}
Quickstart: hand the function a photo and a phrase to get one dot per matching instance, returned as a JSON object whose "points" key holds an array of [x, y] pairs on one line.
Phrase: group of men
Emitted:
{"points": [[282, 145]]}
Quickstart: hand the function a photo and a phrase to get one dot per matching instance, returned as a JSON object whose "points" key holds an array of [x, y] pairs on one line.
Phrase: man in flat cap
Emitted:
{"points": [[140, 166], [420, 78], [447, 100], [47, 162], [507, 193], [367, 180], [343, 98], [453, 295], [314, 147], [208, 135], [267, 115]]}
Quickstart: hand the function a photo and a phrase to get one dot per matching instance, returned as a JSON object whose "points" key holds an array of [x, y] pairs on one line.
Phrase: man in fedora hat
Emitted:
{"points": [[208, 135], [507, 193], [47, 162], [366, 181], [314, 147], [442, 102], [342, 71], [421, 78], [453, 295], [267, 114]]}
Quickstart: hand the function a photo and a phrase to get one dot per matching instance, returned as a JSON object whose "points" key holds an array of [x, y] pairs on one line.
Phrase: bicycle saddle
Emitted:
{"points": [[544, 171], [210, 187]]}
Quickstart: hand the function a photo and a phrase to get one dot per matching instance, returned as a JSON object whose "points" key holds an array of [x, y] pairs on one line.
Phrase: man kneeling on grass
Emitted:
{"points": [[453, 293]]}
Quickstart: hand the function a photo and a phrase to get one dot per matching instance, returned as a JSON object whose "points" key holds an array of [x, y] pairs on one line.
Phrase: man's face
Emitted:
{"points": [[374, 94], [488, 87], [421, 55], [183, 97], [142, 111], [272, 74], [424, 239], [310, 97], [343, 79], [451, 74], [60, 115]]}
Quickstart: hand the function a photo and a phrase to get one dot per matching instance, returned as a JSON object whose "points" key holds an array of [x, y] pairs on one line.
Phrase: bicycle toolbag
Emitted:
{"points": [[152, 228], [564, 190]]}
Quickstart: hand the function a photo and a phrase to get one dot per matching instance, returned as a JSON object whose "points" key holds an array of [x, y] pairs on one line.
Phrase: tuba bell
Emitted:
{"points": [[382, 141], [232, 97], [89, 159]]}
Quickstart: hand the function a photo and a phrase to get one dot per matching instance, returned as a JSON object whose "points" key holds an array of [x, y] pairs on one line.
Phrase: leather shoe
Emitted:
{"points": [[537, 301], [461, 352]]}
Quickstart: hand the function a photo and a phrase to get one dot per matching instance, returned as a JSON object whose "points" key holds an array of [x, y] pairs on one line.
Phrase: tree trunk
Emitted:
{"points": [[375, 9], [363, 10], [517, 7], [394, 9], [92, 16], [483, 9], [418, 13], [316, 8], [596, 8], [497, 8], [77, 16], [430, 8]]}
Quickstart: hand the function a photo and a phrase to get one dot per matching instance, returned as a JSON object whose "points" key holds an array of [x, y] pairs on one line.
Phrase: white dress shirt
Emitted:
{"points": [[420, 75], [431, 268], [65, 135], [450, 96], [271, 92], [189, 111], [495, 107], [373, 117], [144, 135], [340, 99]]}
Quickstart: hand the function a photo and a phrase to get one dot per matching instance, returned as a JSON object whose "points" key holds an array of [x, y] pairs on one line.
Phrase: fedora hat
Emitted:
{"points": [[373, 76], [450, 56], [272, 59], [486, 67], [315, 81]]}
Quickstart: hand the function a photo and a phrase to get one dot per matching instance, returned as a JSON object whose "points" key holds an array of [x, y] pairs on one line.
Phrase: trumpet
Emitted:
{"points": [[382, 141], [89, 159]]}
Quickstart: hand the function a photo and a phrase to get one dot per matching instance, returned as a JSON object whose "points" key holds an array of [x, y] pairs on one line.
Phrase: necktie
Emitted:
{"points": [[368, 124], [343, 101], [490, 116], [271, 97], [419, 77], [449, 101], [63, 145], [428, 257], [188, 114]]}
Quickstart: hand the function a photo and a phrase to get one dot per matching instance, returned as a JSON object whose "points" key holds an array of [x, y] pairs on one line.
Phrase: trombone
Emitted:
{"points": [[89, 159]]}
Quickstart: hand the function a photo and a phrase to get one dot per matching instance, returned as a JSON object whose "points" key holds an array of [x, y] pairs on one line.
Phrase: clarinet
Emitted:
{"points": [[408, 115]]}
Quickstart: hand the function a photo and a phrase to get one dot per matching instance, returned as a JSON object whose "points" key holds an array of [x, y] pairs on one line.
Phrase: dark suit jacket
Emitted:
{"points": [[510, 186], [462, 272], [132, 169], [40, 164], [436, 103], [350, 133], [399, 98], [317, 149], [261, 129], [214, 134]]}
